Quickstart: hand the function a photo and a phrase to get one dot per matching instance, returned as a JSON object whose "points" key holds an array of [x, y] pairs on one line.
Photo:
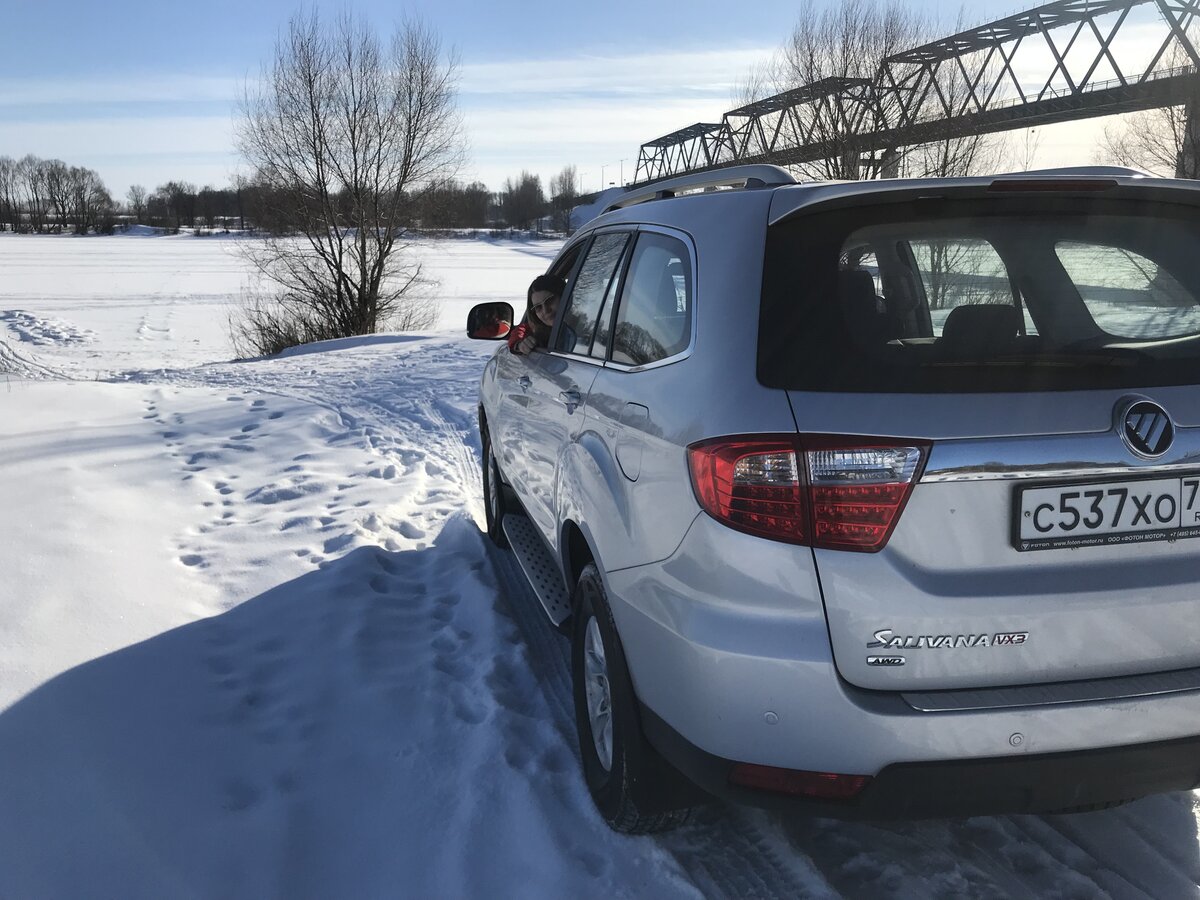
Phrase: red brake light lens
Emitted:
{"points": [[842, 493], [1051, 185], [819, 785], [752, 485]]}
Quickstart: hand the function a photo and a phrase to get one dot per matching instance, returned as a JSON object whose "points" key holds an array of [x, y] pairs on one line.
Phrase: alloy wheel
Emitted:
{"points": [[599, 695]]}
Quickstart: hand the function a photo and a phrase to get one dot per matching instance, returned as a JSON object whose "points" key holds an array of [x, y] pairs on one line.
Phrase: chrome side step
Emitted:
{"points": [[539, 566]]}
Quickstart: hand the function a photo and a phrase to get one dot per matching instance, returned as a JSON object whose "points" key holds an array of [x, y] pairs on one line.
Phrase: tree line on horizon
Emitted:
{"points": [[43, 196]]}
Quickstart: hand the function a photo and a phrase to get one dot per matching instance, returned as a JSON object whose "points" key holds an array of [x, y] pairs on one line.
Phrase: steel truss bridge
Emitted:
{"points": [[1066, 60]]}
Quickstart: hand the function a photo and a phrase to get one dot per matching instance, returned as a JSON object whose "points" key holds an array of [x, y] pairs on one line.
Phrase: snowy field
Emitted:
{"points": [[253, 644]]}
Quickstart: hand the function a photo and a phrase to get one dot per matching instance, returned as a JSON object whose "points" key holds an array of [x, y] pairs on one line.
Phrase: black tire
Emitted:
{"points": [[493, 495], [637, 792]]}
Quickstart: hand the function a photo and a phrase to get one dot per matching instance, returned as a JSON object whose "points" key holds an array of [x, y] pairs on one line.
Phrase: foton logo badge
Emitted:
{"points": [[1147, 429]]}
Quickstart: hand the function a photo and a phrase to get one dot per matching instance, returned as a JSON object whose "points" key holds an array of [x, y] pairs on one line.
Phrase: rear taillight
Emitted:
{"points": [[753, 485], [842, 493]]}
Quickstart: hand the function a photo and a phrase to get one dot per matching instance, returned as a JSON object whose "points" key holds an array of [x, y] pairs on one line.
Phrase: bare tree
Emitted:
{"points": [[180, 198], [522, 201], [339, 131], [47, 194], [836, 53], [1024, 157], [31, 176], [10, 207], [564, 197], [136, 198], [955, 156], [1165, 140], [206, 205], [449, 204], [57, 180], [91, 203]]}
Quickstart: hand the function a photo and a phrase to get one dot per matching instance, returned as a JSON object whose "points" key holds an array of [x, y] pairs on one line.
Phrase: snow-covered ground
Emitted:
{"points": [[253, 644]]}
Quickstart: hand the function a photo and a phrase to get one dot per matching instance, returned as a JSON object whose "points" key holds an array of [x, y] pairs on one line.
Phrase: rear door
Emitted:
{"points": [[637, 400], [562, 377], [1042, 357]]}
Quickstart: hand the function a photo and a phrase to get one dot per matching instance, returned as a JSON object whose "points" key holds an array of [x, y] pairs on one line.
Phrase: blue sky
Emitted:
{"points": [[144, 91]]}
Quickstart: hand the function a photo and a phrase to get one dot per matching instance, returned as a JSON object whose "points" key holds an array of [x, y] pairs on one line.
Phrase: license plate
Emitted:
{"points": [[1129, 511]]}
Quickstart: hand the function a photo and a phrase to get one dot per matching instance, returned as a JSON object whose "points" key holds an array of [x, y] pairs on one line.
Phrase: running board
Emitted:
{"points": [[539, 566]]}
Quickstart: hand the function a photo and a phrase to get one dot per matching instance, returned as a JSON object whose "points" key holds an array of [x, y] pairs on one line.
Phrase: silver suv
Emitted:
{"points": [[876, 499]]}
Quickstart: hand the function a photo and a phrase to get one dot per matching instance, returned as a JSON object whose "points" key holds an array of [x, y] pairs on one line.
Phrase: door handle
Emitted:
{"points": [[525, 382], [571, 399]]}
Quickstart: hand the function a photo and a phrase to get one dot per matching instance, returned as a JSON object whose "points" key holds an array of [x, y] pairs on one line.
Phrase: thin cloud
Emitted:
{"points": [[148, 88], [711, 72], [81, 139]]}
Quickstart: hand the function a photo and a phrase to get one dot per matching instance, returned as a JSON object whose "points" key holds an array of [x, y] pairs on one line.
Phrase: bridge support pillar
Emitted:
{"points": [[1187, 164], [850, 165], [889, 163]]}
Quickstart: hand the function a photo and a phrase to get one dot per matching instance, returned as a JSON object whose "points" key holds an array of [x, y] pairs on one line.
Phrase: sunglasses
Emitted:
{"points": [[538, 306]]}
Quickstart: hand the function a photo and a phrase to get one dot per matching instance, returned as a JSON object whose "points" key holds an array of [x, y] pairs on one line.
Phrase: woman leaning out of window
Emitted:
{"points": [[541, 307]]}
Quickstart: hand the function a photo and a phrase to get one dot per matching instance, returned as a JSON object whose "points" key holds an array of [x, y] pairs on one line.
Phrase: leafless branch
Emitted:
{"points": [[340, 134]]}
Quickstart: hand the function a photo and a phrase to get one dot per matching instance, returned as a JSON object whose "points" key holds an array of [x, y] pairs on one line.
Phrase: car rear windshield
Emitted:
{"points": [[983, 294]]}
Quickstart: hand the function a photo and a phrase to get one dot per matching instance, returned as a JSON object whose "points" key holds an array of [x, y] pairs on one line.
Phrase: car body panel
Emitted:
{"points": [[951, 568], [757, 650], [552, 424], [713, 649]]}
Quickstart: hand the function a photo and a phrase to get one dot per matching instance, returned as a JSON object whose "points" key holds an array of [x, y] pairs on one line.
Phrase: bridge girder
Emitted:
{"points": [[963, 85]]}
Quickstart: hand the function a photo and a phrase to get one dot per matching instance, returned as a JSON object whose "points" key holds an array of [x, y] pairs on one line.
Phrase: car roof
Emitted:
{"points": [[789, 200], [659, 201]]}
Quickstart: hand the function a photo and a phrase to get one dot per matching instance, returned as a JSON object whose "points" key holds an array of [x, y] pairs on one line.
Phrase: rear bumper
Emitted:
{"points": [[1041, 783], [736, 663]]}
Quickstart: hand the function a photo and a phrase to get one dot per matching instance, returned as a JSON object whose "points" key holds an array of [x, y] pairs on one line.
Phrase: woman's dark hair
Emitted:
{"points": [[555, 284]]}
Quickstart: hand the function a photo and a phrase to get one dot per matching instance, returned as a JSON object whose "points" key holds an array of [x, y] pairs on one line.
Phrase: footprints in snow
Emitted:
{"points": [[301, 497], [260, 692], [381, 638], [201, 457], [399, 622]]}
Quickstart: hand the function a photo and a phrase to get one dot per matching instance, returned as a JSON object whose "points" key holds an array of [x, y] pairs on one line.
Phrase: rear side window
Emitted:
{"points": [[596, 276], [1127, 294], [958, 272], [985, 294], [654, 320]]}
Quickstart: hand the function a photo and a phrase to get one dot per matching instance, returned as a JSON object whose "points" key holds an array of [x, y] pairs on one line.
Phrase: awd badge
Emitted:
{"points": [[885, 661]]}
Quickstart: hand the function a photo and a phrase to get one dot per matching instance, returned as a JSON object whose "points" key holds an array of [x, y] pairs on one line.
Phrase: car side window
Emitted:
{"points": [[566, 263], [1127, 294], [654, 320], [602, 337], [963, 272], [596, 275]]}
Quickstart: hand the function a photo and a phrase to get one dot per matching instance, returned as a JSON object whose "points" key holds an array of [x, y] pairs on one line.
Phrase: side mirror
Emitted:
{"points": [[489, 321]]}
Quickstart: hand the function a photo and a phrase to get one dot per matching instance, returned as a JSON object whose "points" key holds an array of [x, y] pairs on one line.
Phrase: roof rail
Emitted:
{"points": [[1093, 171], [730, 176]]}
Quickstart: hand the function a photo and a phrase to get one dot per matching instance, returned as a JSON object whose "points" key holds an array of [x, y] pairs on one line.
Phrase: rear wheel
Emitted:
{"points": [[493, 495], [633, 787]]}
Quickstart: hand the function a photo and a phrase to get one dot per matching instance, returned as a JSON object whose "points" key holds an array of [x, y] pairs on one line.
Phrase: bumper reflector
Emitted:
{"points": [[818, 785]]}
